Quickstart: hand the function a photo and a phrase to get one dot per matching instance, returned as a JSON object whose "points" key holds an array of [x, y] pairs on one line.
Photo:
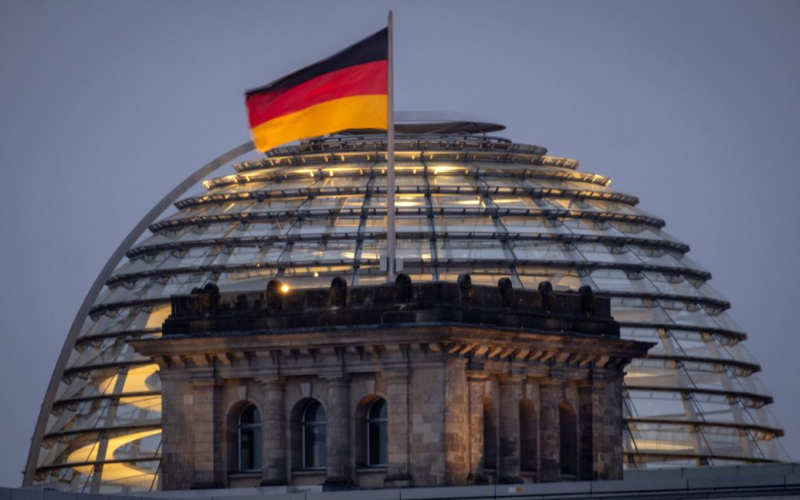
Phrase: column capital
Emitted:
{"points": [[270, 380], [549, 383], [477, 376], [511, 379], [396, 376], [335, 378], [200, 380], [594, 386]]}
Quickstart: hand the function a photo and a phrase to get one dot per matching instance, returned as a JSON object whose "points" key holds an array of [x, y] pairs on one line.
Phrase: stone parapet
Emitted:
{"points": [[410, 385], [278, 309]]}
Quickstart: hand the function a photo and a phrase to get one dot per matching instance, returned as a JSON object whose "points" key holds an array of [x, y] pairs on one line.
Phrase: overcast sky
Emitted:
{"points": [[105, 106]]}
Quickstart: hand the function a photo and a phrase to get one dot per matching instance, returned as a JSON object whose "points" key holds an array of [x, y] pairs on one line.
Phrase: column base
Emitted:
{"points": [[205, 486], [397, 481], [338, 484], [274, 482], [549, 477], [478, 479]]}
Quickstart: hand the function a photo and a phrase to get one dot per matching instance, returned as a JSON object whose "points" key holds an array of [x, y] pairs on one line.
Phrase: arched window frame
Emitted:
{"points": [[254, 429], [379, 422], [306, 426]]}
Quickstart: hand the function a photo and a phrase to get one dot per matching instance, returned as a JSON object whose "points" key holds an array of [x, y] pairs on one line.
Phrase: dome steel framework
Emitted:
{"points": [[465, 202]]}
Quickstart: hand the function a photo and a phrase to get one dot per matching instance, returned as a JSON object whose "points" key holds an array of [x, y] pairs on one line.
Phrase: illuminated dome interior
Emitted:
{"points": [[466, 202]]}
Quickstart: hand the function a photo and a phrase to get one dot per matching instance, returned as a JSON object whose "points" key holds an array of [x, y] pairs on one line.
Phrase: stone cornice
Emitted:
{"points": [[514, 353]]}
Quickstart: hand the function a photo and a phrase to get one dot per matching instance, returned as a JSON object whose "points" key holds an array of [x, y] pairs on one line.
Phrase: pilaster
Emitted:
{"points": [[338, 444], [273, 430], [209, 471], [550, 435], [592, 435], [456, 422], [510, 388], [476, 387]]}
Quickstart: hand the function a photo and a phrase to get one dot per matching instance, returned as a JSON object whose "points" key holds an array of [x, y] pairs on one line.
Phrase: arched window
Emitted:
{"points": [[250, 439], [314, 454], [568, 424], [377, 434]]}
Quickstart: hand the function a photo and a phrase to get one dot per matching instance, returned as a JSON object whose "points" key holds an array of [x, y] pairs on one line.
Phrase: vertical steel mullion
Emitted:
{"points": [[362, 224], [431, 225]]}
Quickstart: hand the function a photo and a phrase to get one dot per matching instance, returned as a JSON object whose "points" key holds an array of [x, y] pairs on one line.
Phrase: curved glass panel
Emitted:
{"points": [[473, 204]]}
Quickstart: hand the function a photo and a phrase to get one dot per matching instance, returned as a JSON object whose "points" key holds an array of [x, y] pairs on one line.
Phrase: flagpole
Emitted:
{"points": [[390, 225]]}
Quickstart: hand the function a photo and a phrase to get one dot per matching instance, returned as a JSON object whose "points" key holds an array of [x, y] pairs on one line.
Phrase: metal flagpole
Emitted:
{"points": [[390, 229]]}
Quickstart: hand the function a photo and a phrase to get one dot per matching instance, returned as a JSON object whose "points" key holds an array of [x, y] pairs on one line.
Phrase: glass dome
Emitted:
{"points": [[466, 202]]}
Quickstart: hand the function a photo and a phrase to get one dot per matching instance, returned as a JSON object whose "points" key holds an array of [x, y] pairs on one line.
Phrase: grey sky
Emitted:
{"points": [[105, 106]]}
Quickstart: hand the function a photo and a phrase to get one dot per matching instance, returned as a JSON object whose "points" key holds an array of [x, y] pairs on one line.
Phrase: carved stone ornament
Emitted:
{"points": [[274, 295], [209, 297], [465, 285], [338, 292], [548, 297], [506, 291], [587, 300], [402, 288]]}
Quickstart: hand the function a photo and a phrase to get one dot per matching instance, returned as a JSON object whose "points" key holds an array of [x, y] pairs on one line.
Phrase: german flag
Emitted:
{"points": [[345, 91]]}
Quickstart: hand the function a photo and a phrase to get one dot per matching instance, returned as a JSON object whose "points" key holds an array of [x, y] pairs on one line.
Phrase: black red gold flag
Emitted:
{"points": [[345, 91]]}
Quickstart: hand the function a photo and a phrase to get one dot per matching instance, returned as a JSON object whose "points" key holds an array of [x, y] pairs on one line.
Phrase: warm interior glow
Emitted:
{"points": [[151, 403], [284, 288], [444, 170], [468, 202], [157, 317], [135, 381], [653, 444], [116, 471]]}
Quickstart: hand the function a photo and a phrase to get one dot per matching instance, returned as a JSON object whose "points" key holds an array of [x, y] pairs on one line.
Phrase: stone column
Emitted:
{"points": [[456, 425], [550, 434], [177, 437], [590, 432], [399, 472], [509, 430], [273, 432], [476, 381], [609, 402], [428, 451], [338, 444], [208, 467]]}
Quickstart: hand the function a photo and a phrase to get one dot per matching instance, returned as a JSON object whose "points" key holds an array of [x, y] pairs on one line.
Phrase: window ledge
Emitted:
{"points": [[373, 470], [309, 472], [253, 473]]}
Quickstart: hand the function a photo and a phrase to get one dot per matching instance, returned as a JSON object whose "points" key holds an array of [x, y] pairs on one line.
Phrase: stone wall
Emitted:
{"points": [[437, 378]]}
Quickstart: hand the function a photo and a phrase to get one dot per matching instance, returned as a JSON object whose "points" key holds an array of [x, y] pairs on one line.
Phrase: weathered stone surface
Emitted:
{"points": [[274, 434], [439, 354], [550, 439], [509, 430]]}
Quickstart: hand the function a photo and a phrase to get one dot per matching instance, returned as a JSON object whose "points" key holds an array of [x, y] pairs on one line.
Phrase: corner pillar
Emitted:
{"points": [[208, 467], [273, 430], [592, 434], [550, 446], [510, 388], [609, 401]]}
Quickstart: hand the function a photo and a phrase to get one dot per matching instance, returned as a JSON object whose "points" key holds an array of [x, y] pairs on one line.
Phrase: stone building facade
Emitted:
{"points": [[390, 386]]}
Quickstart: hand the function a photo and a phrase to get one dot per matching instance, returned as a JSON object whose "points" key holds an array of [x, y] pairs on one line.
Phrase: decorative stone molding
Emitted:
{"points": [[439, 354]]}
